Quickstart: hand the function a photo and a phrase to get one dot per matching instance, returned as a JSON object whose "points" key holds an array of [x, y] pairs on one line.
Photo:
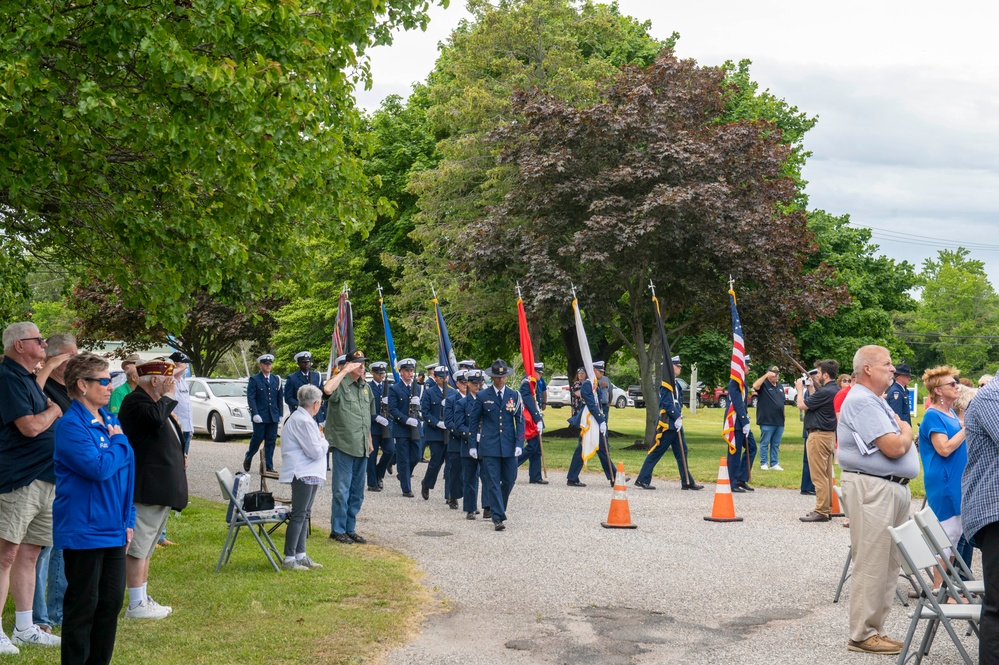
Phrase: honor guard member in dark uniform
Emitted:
{"points": [[460, 419], [466, 364], [588, 394], [263, 396], [898, 393], [435, 433], [741, 461], [295, 380], [603, 389], [668, 436], [381, 430], [404, 407], [541, 388], [532, 451], [498, 418], [452, 460]]}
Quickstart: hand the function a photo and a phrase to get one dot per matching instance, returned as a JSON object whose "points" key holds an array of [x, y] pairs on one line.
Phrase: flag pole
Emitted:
{"points": [[533, 385], [685, 472]]}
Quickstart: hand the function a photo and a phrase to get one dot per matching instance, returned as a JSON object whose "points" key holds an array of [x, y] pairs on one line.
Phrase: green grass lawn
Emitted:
{"points": [[363, 602], [704, 441]]}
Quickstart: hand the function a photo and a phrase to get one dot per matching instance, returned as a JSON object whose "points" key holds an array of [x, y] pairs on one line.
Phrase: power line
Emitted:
{"points": [[943, 335], [926, 241]]}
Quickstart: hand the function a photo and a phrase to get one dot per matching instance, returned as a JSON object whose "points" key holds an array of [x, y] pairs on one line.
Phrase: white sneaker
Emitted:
{"points": [[152, 602], [764, 467], [35, 636], [7, 647], [294, 564], [309, 563], [776, 467], [147, 610]]}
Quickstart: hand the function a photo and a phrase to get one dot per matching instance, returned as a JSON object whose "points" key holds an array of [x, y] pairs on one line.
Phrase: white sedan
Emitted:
{"points": [[219, 407]]}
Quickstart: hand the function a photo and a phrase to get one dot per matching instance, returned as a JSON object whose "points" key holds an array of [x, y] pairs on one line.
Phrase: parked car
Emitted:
{"points": [[719, 397], [638, 400], [790, 395], [620, 398], [558, 392], [218, 407]]}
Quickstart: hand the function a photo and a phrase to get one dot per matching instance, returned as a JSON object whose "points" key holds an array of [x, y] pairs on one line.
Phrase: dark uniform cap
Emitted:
{"points": [[902, 370], [356, 356], [499, 369], [179, 357]]}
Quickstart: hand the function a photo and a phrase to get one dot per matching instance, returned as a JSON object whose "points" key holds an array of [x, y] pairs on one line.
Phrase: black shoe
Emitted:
{"points": [[575, 483], [246, 465], [469, 516], [453, 505], [357, 538], [342, 538], [695, 486], [408, 495], [391, 469], [808, 492], [425, 492], [498, 525], [539, 482], [737, 490], [381, 485], [374, 488], [646, 486], [746, 487], [487, 514]]}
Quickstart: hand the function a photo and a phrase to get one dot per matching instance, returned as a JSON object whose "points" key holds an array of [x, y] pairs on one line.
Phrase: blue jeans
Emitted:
{"points": [[50, 587], [348, 490], [770, 436]]}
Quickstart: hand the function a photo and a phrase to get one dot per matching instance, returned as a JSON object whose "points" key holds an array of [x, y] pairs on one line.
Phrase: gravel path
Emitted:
{"points": [[555, 587]]}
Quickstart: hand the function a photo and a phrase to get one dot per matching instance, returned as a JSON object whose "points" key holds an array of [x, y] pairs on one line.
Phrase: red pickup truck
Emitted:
{"points": [[719, 398]]}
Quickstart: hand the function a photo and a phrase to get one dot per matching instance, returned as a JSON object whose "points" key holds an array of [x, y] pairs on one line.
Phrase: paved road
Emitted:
{"points": [[555, 587]]}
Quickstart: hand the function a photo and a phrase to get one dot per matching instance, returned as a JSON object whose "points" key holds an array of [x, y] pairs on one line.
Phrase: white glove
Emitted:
{"points": [[541, 426], [385, 400], [441, 425], [412, 422], [678, 423], [746, 428], [381, 420], [257, 419], [603, 428], [444, 402], [474, 452], [518, 451], [478, 437], [414, 400]]}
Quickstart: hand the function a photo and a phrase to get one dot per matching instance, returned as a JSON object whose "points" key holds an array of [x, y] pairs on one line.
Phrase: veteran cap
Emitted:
{"points": [[157, 367], [179, 357]]}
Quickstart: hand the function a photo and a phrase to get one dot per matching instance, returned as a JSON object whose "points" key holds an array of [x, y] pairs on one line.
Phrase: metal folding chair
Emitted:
{"points": [[959, 578], [237, 518], [917, 558]]}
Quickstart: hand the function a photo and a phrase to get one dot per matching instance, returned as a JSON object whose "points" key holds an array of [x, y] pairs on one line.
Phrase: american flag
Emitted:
{"points": [[736, 377], [340, 329]]}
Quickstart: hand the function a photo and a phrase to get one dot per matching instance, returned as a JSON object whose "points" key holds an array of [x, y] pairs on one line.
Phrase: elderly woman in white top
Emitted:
{"points": [[303, 464]]}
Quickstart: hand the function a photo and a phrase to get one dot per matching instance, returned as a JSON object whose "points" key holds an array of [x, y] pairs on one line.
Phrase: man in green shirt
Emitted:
{"points": [[131, 380], [348, 429]]}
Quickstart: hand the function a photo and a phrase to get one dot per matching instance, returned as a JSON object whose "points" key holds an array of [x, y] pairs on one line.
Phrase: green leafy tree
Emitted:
{"points": [[14, 287], [187, 146], [879, 290], [957, 321]]}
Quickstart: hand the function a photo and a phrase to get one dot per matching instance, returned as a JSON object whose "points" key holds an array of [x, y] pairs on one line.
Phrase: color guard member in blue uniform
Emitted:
{"points": [[541, 388], [588, 394], [381, 431], [740, 463], [263, 396], [668, 436], [404, 408], [435, 433], [469, 465], [532, 451], [498, 418], [295, 380], [452, 459], [898, 393]]}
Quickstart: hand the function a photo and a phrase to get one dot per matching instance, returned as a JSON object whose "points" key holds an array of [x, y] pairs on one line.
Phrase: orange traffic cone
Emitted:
{"points": [[836, 510], [724, 508], [619, 516]]}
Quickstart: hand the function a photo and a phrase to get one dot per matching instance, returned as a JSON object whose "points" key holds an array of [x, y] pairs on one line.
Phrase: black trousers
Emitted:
{"points": [[987, 539], [95, 590]]}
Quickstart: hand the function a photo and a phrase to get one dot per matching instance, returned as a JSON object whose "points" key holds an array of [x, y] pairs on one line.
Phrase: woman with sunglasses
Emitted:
{"points": [[942, 449], [92, 513]]}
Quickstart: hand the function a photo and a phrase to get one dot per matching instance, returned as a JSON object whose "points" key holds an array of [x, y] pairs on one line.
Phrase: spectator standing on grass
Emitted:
{"points": [[303, 466], [93, 512], [820, 423], [182, 413], [348, 429], [160, 477], [27, 479], [575, 396], [770, 417], [878, 460]]}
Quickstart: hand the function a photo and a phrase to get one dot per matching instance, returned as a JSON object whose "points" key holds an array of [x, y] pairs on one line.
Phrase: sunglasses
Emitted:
{"points": [[104, 381], [952, 383], [40, 340]]}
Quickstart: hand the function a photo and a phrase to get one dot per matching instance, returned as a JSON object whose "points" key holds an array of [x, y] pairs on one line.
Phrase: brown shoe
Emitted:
{"points": [[815, 517], [874, 644], [889, 640]]}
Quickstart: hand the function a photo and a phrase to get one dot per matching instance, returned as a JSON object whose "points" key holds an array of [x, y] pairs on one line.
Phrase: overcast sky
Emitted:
{"points": [[907, 96]]}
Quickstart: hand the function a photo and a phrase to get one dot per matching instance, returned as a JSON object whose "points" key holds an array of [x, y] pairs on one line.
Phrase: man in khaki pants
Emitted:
{"points": [[820, 423]]}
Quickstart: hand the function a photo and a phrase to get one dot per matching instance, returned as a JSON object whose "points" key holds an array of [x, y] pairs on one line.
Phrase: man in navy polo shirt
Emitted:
{"points": [[27, 478]]}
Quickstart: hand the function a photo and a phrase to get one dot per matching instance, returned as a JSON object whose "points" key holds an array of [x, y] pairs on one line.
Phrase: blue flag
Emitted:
{"points": [[445, 354], [389, 342]]}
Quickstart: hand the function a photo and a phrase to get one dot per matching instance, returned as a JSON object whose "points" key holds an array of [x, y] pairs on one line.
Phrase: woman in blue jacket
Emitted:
{"points": [[92, 513]]}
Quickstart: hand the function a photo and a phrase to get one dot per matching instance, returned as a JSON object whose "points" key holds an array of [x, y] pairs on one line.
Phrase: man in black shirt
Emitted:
{"points": [[820, 424], [770, 417]]}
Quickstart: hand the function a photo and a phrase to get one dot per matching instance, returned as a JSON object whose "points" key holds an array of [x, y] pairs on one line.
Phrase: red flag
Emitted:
{"points": [[527, 353]]}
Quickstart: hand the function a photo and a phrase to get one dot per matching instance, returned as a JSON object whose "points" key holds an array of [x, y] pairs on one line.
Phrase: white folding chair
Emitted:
{"points": [[233, 491], [917, 558], [938, 540]]}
